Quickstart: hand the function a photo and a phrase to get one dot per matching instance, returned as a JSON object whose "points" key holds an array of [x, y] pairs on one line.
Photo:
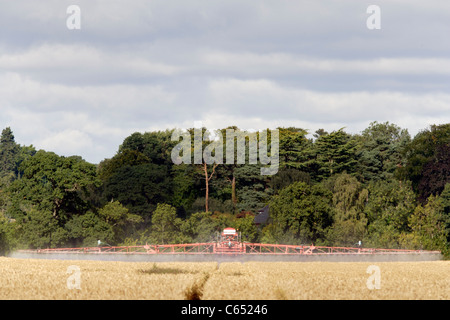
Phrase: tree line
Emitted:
{"points": [[381, 187]]}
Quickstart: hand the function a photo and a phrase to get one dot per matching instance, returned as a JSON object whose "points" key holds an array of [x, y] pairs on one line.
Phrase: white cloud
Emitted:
{"points": [[266, 100], [266, 64], [69, 141], [143, 65], [83, 64], [95, 120]]}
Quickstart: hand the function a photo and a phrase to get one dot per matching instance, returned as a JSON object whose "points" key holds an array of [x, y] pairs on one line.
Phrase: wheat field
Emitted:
{"points": [[103, 280]]}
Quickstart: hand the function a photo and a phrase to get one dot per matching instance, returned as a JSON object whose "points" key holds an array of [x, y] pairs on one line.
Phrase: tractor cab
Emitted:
{"points": [[229, 241]]}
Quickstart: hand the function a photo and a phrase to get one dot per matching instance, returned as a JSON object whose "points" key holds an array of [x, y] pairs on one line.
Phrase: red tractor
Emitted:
{"points": [[229, 241]]}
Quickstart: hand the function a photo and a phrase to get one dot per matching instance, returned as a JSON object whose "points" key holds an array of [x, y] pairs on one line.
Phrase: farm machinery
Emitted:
{"points": [[228, 245]]}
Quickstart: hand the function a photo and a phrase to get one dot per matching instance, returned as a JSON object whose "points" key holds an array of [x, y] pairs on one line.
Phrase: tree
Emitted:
{"points": [[300, 213], [380, 151], [208, 176], [205, 154], [253, 190], [165, 224], [156, 146], [119, 218], [50, 193], [335, 153], [199, 227], [389, 205], [293, 143], [86, 229], [8, 152], [435, 173], [285, 177], [421, 150], [41, 230], [350, 222], [247, 228], [225, 184], [54, 184], [126, 157], [7, 235], [185, 187], [428, 229], [445, 197], [240, 178], [139, 188]]}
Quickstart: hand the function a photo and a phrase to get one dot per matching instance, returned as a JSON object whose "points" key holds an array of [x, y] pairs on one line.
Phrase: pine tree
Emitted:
{"points": [[8, 152], [335, 153]]}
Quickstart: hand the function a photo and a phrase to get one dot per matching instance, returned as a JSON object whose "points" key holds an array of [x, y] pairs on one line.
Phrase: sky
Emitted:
{"points": [[138, 66]]}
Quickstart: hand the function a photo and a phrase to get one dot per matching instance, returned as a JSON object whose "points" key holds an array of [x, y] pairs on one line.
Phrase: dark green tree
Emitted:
{"points": [[334, 153], [300, 213], [87, 229], [139, 188], [119, 218], [428, 227], [127, 157], [435, 173], [252, 189], [55, 183], [285, 177], [421, 150], [9, 151], [40, 229], [293, 142], [349, 221], [156, 146], [166, 226], [389, 205], [200, 227], [380, 151]]}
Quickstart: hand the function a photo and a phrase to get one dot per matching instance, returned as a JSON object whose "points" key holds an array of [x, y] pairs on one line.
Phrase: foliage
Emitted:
{"points": [[389, 205], [435, 173], [139, 188], [380, 151], [301, 213], [165, 224], [428, 229], [200, 227], [54, 183], [421, 150], [349, 221], [334, 154], [380, 187], [87, 229], [118, 217]]}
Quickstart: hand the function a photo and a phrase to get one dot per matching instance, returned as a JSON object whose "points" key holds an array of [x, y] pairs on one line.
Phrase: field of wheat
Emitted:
{"points": [[104, 280]]}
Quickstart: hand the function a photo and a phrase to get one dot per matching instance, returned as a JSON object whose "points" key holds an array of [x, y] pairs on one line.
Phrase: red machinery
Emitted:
{"points": [[229, 243]]}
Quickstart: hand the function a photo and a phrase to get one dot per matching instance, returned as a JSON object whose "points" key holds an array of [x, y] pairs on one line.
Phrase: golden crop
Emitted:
{"points": [[49, 279]]}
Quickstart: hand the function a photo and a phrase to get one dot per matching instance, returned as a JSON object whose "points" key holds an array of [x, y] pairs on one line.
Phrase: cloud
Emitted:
{"points": [[153, 65], [81, 64], [68, 141], [268, 101], [283, 63], [94, 119]]}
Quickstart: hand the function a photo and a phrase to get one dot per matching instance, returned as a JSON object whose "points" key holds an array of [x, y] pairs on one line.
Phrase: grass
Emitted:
{"points": [[48, 279]]}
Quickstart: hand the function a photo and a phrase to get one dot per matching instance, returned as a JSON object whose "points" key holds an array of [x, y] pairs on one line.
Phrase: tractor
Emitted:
{"points": [[229, 241]]}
